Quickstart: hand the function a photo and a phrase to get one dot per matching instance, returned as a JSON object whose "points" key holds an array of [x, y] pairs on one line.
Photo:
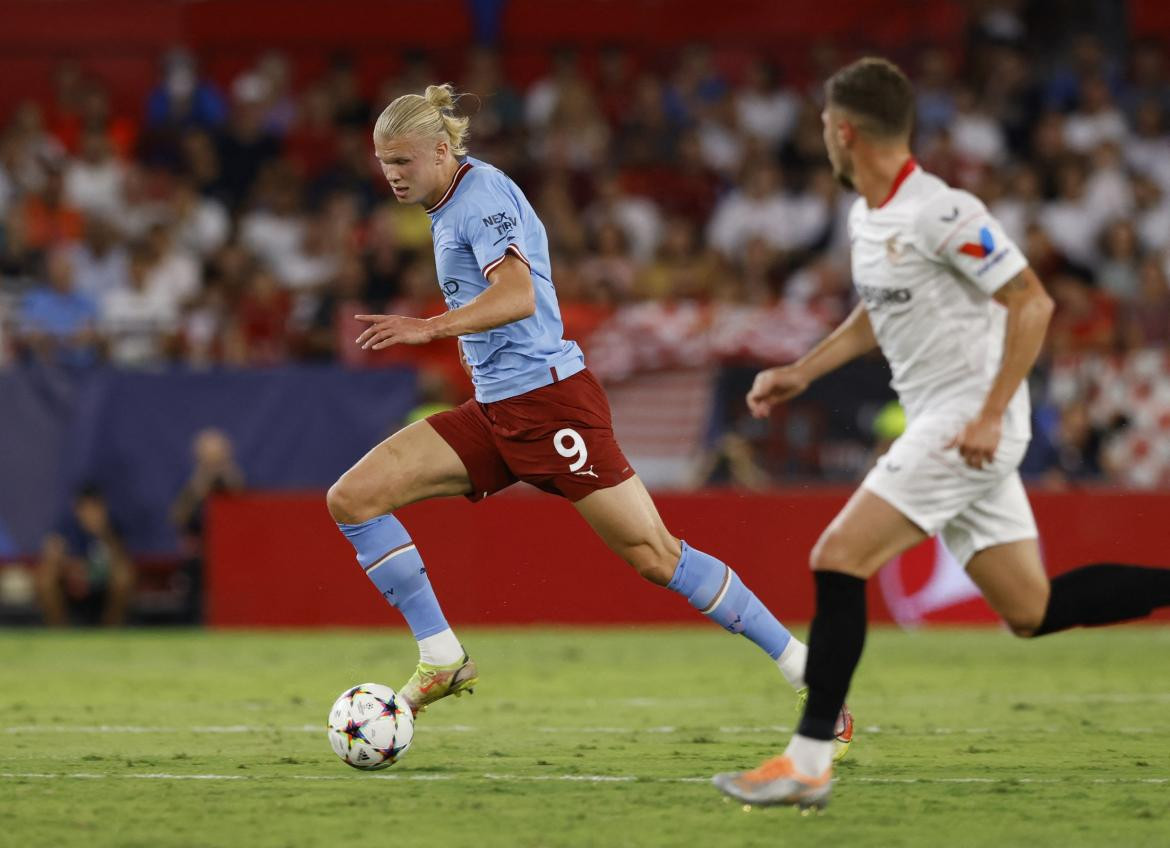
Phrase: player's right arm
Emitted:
{"points": [[775, 385]]}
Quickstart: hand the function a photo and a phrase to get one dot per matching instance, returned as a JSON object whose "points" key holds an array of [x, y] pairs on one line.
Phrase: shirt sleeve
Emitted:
{"points": [[958, 231], [492, 224]]}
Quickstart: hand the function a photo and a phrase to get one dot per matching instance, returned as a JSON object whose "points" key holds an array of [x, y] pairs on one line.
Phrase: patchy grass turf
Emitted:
{"points": [[578, 738]]}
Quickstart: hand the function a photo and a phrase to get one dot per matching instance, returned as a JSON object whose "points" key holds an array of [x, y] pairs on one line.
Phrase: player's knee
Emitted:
{"points": [[831, 554], [654, 560], [346, 504], [1024, 623]]}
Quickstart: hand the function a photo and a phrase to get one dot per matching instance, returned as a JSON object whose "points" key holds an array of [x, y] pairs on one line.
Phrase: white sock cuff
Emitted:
{"points": [[792, 661], [441, 649]]}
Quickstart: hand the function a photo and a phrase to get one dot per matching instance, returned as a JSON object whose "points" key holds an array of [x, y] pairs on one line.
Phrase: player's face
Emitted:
{"points": [[839, 156], [412, 165]]}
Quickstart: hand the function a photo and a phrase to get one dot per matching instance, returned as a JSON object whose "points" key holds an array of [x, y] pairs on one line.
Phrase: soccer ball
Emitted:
{"points": [[369, 727]]}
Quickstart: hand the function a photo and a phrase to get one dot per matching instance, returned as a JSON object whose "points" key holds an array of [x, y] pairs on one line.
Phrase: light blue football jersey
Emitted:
{"points": [[482, 217]]}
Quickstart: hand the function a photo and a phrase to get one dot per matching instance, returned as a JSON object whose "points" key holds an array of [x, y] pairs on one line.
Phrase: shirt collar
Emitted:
{"points": [[450, 192]]}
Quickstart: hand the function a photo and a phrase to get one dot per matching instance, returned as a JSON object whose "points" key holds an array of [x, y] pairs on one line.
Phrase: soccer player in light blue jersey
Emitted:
{"points": [[538, 415]]}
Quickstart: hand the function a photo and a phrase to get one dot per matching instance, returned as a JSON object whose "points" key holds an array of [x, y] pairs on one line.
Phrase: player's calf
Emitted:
{"points": [[1103, 593]]}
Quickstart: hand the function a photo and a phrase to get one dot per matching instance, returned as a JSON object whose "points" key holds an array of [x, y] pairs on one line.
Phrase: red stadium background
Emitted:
{"points": [[36, 36], [526, 558]]}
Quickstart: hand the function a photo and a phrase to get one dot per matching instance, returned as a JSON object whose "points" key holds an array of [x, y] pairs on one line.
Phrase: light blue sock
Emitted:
{"points": [[715, 590], [386, 552]]}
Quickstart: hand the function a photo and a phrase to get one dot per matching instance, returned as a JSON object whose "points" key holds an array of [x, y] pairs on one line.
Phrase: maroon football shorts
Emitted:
{"points": [[559, 438]]}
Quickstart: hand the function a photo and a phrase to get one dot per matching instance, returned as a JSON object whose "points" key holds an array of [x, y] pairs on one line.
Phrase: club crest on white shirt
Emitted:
{"points": [[895, 248]]}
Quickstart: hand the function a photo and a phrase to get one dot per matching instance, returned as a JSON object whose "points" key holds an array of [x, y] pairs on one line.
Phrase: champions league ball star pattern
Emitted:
{"points": [[369, 728]]}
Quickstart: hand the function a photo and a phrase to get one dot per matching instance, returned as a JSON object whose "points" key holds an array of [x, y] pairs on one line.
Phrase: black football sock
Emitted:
{"points": [[835, 641], [1103, 594]]}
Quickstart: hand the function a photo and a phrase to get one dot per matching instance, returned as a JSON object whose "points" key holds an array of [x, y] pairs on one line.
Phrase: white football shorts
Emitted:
{"points": [[971, 509]]}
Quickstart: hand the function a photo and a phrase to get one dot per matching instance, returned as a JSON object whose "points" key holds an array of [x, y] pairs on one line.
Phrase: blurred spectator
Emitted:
{"points": [[139, 321], [201, 223], [174, 274], [754, 210], [681, 270], [261, 319], [214, 473], [574, 135], [182, 99], [1018, 204], [344, 296], [935, 91], [1117, 268], [765, 110], [312, 262], [201, 162], [94, 180], [1085, 320], [100, 263], [1146, 319], [1148, 150], [1070, 222], [720, 142], [1152, 214], [47, 218], [84, 575], [247, 145], [1108, 190], [638, 218], [276, 225], [685, 187], [312, 142], [1084, 62], [96, 116], [561, 217], [977, 137], [542, 97], [1096, 119], [615, 84], [731, 462], [694, 84], [787, 222], [204, 329], [8, 186], [1149, 82], [354, 171], [55, 322], [64, 114], [1070, 451], [350, 108], [501, 109], [32, 152], [608, 265], [646, 135], [280, 107]]}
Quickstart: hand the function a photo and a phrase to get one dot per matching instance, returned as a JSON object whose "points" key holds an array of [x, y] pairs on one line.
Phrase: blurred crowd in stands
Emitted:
{"points": [[691, 214]]}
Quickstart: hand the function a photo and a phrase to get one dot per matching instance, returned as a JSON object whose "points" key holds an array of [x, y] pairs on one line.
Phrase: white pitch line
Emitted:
{"points": [[112, 729], [568, 778]]}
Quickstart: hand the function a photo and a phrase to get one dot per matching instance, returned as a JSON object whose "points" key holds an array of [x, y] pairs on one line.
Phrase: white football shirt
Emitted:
{"points": [[926, 264]]}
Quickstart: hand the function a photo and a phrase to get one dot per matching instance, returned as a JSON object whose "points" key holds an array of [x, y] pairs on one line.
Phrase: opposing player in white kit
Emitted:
{"points": [[961, 318]]}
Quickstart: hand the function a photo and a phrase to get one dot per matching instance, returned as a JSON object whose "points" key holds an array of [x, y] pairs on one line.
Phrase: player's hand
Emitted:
{"points": [[978, 440], [774, 386], [386, 330]]}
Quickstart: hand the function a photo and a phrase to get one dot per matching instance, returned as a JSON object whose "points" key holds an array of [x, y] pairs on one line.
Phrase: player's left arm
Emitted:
{"points": [[1029, 311], [509, 297]]}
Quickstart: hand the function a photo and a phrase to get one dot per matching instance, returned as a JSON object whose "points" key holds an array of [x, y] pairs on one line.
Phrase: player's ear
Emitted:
{"points": [[441, 149], [846, 132]]}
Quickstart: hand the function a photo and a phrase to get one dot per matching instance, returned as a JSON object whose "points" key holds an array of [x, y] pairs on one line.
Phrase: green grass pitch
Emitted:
{"points": [[579, 738]]}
